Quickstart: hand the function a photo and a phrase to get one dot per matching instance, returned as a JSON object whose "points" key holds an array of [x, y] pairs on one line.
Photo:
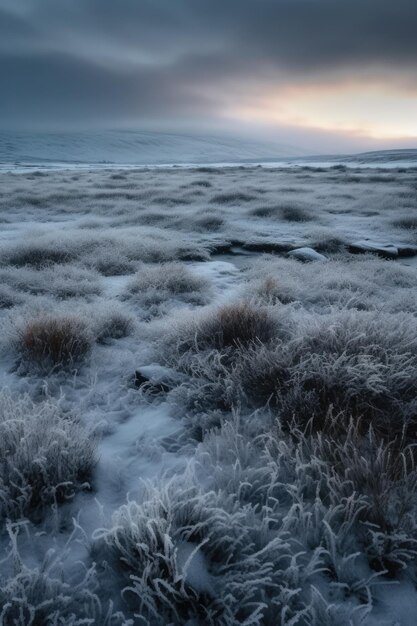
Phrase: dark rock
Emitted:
{"points": [[153, 387], [405, 250]]}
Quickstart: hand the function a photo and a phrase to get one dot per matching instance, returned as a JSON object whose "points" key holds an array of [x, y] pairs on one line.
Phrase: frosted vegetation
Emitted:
{"points": [[196, 427]]}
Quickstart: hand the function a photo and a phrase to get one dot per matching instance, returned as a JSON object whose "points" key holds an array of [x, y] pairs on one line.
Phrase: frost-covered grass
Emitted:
{"points": [[49, 341], [113, 322], [200, 429], [299, 525], [228, 327], [45, 457], [154, 286]]}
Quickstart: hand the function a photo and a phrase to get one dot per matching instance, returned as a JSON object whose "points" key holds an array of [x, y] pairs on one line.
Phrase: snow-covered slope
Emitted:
{"points": [[377, 158], [133, 147]]}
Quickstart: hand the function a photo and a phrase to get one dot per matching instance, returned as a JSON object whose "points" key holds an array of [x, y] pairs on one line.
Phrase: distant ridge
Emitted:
{"points": [[133, 148], [148, 148], [383, 158], [404, 154]]}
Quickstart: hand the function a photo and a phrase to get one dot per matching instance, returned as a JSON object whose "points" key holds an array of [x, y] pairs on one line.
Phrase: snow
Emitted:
{"points": [[306, 254], [244, 516]]}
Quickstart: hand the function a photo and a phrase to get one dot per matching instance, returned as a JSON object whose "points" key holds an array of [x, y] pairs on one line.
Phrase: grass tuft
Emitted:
{"points": [[55, 341], [45, 457]]}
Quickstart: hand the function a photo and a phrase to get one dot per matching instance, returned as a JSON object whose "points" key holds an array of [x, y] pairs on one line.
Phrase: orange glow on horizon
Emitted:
{"points": [[370, 110]]}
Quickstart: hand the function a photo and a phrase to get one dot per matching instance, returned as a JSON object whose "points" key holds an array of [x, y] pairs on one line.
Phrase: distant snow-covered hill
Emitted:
{"points": [[377, 158], [133, 148], [386, 156], [142, 148]]}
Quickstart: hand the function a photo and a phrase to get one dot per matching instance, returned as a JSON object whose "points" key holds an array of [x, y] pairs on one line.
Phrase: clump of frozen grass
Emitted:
{"points": [[278, 512], [188, 554], [358, 364], [31, 596], [9, 297], [153, 285], [324, 240], [295, 213], [361, 365], [208, 349], [233, 197], [110, 262], [202, 183], [286, 211], [144, 542], [60, 281], [36, 255], [171, 277], [361, 283], [385, 476], [54, 341], [45, 457], [232, 326], [265, 211], [113, 323], [406, 223], [271, 291], [209, 223]]}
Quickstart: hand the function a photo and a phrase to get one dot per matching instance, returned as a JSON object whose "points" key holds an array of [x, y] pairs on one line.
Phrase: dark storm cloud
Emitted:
{"points": [[60, 87], [64, 60]]}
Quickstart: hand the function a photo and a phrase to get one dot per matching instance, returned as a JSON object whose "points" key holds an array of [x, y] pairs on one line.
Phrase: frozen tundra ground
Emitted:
{"points": [[208, 410]]}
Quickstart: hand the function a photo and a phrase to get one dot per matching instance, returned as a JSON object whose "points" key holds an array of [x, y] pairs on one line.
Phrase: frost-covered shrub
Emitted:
{"points": [[326, 241], [355, 364], [36, 255], [265, 211], [386, 477], [211, 389], [359, 283], [358, 364], [233, 197], [295, 213], [9, 297], [232, 326], [187, 554], [153, 285], [173, 278], [271, 291], [113, 323], [209, 223], [278, 513], [408, 223], [209, 348], [45, 457], [60, 281], [54, 341], [44, 596], [202, 183], [111, 262]]}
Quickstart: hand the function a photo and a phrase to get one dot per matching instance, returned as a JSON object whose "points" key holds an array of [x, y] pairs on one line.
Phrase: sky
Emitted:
{"points": [[324, 75]]}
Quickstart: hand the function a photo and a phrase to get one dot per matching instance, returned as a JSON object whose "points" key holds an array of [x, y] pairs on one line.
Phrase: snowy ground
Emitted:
{"points": [[220, 428]]}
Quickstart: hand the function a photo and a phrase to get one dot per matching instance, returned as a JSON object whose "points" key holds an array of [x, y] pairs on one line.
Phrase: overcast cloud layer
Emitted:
{"points": [[175, 63]]}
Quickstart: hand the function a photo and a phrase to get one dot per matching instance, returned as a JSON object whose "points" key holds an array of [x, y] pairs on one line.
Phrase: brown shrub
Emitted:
{"points": [[59, 341], [236, 325]]}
